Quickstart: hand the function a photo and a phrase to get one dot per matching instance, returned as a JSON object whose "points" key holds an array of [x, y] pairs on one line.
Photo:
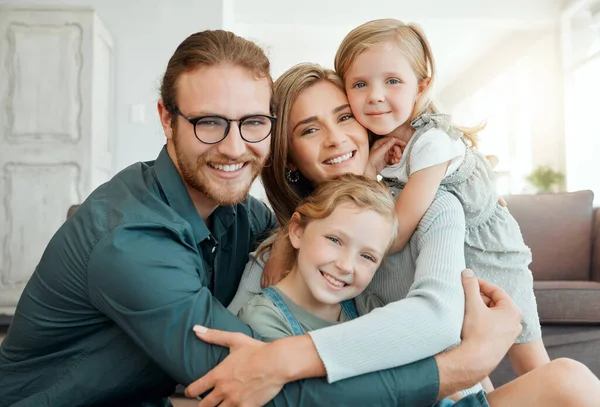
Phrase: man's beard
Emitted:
{"points": [[224, 191]]}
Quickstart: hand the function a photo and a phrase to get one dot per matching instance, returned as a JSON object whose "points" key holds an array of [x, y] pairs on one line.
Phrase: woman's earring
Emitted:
{"points": [[292, 176]]}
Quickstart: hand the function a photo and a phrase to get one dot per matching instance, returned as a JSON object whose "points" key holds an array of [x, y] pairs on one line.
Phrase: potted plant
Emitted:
{"points": [[545, 179]]}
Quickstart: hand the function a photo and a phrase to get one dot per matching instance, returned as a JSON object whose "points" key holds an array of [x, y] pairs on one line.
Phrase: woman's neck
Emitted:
{"points": [[403, 132], [294, 286]]}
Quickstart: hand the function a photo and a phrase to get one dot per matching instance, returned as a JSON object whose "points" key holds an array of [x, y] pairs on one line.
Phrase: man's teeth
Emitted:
{"points": [[339, 159], [333, 281], [227, 168]]}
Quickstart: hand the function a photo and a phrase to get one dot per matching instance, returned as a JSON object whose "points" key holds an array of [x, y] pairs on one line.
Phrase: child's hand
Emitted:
{"points": [[385, 151]]}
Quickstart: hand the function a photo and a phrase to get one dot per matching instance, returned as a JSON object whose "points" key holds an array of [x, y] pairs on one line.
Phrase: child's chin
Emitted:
{"points": [[330, 299]]}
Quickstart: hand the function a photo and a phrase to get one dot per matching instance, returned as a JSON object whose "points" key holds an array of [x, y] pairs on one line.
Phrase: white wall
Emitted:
{"points": [[539, 50], [456, 44], [146, 32], [145, 35]]}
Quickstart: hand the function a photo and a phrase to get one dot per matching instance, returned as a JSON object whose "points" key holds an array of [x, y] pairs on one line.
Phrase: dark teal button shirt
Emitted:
{"points": [[107, 316]]}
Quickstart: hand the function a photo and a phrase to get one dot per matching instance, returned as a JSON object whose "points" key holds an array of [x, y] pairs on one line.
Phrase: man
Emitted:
{"points": [[107, 317]]}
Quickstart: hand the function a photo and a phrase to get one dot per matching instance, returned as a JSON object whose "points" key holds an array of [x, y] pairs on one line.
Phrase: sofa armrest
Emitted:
{"points": [[596, 246]]}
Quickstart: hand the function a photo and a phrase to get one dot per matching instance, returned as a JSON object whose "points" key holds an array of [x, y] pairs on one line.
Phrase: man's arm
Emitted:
{"points": [[488, 332], [254, 371], [153, 286]]}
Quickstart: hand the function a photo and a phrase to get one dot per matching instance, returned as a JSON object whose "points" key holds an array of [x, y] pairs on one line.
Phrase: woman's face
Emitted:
{"points": [[326, 140]]}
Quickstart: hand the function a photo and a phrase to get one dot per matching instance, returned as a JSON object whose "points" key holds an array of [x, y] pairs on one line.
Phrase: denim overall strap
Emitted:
{"points": [[279, 303], [349, 308]]}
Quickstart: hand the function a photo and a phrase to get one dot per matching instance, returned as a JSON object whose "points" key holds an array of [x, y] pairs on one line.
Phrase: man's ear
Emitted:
{"points": [[165, 119], [295, 230]]}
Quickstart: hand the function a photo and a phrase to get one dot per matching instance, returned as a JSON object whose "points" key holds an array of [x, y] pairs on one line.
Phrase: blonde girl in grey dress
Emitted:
{"points": [[388, 71]]}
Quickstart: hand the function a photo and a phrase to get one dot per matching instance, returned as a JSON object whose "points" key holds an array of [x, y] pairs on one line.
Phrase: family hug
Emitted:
{"points": [[385, 269]]}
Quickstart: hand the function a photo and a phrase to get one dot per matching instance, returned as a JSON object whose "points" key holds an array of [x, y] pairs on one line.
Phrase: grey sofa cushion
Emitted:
{"points": [[558, 229], [596, 249], [568, 302]]}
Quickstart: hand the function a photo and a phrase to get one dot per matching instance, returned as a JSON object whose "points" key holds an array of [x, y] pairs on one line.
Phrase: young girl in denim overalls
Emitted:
{"points": [[337, 239]]}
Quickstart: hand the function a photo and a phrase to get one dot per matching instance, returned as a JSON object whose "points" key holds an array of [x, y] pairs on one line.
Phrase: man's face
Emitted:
{"points": [[221, 172]]}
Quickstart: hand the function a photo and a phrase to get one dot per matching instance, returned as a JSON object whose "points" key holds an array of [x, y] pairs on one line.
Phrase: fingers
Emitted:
{"points": [[200, 386], [487, 300], [212, 400], [495, 293], [217, 337], [502, 202], [471, 287], [384, 142]]}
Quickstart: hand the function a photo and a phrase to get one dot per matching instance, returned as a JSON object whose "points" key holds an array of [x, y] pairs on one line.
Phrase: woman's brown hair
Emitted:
{"points": [[283, 196]]}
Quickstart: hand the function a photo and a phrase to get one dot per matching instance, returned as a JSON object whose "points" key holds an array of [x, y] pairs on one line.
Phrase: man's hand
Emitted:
{"points": [[254, 371], [242, 378], [385, 151], [488, 332]]}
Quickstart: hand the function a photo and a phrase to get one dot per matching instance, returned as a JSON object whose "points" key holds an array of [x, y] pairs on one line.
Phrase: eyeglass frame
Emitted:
{"points": [[194, 120]]}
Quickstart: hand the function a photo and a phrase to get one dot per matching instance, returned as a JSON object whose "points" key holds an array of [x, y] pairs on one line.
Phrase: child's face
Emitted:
{"points": [[338, 255], [382, 88]]}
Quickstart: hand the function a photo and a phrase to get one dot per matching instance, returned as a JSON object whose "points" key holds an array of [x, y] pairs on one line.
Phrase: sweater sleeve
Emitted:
{"points": [[426, 322], [249, 284]]}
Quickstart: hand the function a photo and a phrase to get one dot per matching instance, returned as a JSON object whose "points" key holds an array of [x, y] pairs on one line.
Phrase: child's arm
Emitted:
{"points": [[414, 200], [524, 357]]}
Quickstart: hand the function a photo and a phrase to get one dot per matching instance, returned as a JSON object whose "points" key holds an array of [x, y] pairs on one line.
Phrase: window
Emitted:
{"points": [[504, 104]]}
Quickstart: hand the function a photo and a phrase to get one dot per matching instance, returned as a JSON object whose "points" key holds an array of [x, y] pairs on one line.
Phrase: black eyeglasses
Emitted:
{"points": [[213, 129]]}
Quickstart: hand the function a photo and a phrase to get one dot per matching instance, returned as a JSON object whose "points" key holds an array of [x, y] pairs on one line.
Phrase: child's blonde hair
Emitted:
{"points": [[357, 190], [413, 44]]}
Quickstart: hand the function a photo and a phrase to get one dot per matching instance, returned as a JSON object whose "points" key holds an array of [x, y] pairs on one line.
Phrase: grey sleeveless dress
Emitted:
{"points": [[494, 246]]}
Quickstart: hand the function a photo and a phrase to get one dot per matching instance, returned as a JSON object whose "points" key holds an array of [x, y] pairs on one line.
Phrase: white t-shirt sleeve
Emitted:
{"points": [[435, 147]]}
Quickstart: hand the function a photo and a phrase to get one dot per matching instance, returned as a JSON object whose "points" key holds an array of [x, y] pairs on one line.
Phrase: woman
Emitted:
{"points": [[317, 138]]}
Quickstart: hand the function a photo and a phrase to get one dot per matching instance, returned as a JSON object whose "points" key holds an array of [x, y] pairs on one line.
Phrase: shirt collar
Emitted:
{"points": [[177, 195]]}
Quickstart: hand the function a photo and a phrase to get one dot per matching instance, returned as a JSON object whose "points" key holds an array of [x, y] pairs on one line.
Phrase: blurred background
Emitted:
{"points": [[531, 70]]}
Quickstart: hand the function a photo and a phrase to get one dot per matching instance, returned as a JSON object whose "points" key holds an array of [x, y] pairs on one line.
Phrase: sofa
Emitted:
{"points": [[563, 232]]}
